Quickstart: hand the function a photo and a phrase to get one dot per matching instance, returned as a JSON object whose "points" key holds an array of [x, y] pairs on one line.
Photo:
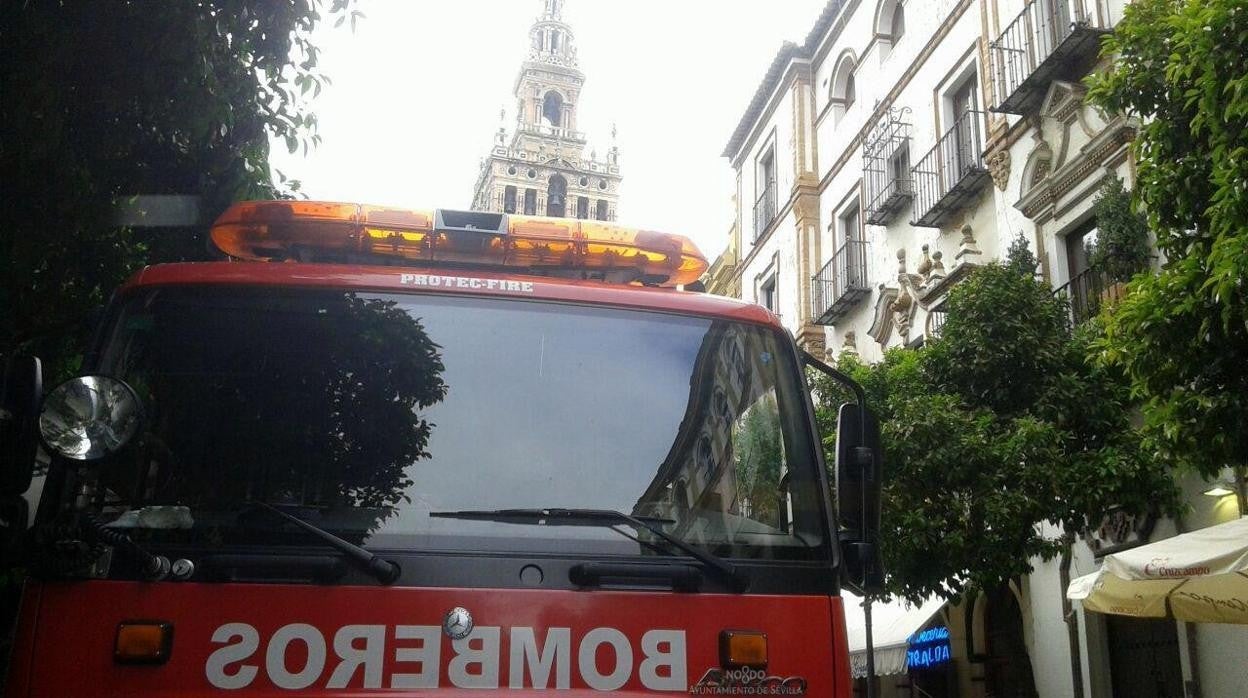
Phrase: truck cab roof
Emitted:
{"points": [[477, 282]]}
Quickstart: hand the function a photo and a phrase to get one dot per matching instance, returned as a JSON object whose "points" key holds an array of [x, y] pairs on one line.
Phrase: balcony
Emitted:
{"points": [[889, 200], [1050, 39], [764, 210], [886, 167], [951, 174], [841, 283], [553, 132], [1094, 287]]}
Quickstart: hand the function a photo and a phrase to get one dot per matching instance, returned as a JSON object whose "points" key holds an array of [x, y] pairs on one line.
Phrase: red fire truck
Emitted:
{"points": [[425, 453]]}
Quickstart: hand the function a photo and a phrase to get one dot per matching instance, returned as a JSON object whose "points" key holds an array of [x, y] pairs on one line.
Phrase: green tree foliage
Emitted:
{"points": [[1122, 246], [334, 420], [1181, 336], [757, 456], [1001, 425], [103, 101]]}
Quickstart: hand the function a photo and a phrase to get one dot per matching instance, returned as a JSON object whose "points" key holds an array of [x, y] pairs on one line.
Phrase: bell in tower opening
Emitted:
{"points": [[556, 196], [552, 109], [544, 163]]}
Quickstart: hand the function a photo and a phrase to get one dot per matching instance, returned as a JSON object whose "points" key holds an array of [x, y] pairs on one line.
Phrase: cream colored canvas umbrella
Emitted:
{"points": [[1200, 577]]}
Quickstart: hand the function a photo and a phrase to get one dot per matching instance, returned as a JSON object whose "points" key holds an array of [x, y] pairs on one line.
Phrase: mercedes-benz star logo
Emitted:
{"points": [[457, 623]]}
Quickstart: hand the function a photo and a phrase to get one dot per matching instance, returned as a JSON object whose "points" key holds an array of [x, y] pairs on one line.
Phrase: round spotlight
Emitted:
{"points": [[89, 417]]}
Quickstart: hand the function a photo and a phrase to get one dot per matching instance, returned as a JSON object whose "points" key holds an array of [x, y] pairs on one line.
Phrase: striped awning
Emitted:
{"points": [[892, 624]]}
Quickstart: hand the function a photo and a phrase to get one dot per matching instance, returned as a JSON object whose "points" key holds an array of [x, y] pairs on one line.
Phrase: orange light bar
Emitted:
{"points": [[143, 642], [742, 649], [282, 230]]}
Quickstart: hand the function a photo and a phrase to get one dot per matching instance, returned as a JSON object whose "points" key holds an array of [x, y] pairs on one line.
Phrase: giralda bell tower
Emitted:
{"points": [[542, 169]]}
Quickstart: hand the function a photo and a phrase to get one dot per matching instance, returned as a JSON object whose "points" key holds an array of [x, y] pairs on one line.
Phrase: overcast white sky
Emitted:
{"points": [[417, 90]]}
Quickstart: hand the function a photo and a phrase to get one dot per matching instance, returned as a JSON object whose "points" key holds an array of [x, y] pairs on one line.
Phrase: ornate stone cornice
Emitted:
{"points": [[1039, 201], [1053, 170]]}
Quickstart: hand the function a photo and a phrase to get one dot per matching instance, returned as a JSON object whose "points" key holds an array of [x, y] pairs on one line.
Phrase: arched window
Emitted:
{"points": [[843, 90], [897, 26], [552, 109]]}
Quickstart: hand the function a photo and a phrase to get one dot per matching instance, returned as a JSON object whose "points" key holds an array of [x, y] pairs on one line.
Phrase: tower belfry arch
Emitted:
{"points": [[543, 168]]}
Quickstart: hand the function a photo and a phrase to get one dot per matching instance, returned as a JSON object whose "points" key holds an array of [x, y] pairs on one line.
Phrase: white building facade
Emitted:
{"points": [[900, 145]]}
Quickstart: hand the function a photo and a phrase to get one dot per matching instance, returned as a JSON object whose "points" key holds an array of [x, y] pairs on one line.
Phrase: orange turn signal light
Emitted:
{"points": [[739, 649], [143, 642]]}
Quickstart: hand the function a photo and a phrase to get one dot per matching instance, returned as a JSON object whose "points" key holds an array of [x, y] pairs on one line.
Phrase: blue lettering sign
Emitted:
{"points": [[929, 648]]}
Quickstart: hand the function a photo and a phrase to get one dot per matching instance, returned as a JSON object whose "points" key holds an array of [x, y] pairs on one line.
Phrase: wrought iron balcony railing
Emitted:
{"points": [[886, 167], [841, 283], [936, 322], [891, 198], [1050, 39], [951, 173], [764, 210], [1089, 290]]}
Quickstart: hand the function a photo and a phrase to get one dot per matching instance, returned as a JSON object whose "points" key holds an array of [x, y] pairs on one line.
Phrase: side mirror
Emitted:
{"points": [[20, 394], [859, 457], [859, 463]]}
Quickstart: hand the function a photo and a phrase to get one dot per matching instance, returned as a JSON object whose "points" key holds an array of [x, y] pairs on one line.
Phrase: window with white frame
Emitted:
{"points": [[851, 244], [767, 286], [765, 190], [767, 296]]}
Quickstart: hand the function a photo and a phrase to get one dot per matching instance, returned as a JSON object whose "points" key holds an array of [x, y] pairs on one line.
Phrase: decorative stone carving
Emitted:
{"points": [[938, 268], [925, 264], [999, 168], [882, 324], [968, 250], [1052, 179], [813, 339], [1041, 171], [1039, 159], [850, 346], [900, 309], [925, 288]]}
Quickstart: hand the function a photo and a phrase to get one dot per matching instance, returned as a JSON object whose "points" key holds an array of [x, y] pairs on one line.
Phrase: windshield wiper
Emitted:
{"points": [[607, 518], [382, 569]]}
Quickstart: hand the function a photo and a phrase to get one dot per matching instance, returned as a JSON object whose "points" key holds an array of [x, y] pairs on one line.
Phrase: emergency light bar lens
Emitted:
{"points": [[280, 230]]}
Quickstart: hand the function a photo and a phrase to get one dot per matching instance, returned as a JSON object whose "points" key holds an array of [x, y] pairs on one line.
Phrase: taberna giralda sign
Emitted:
{"points": [[928, 648]]}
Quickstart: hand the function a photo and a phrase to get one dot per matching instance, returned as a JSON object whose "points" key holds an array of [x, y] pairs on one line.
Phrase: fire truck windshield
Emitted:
{"points": [[362, 413]]}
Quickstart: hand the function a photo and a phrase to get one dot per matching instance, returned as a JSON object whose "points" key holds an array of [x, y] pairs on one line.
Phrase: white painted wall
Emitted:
{"points": [[880, 66], [774, 131], [995, 220]]}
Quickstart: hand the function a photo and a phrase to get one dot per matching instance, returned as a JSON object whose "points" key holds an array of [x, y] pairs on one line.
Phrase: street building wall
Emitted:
{"points": [[855, 275]]}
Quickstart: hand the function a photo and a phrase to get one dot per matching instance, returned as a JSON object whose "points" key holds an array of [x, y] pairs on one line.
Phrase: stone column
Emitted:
{"points": [[805, 197]]}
